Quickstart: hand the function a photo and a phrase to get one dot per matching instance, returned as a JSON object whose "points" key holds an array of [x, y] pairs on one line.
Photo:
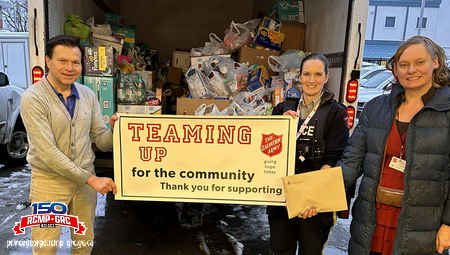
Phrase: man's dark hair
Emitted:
{"points": [[66, 40]]}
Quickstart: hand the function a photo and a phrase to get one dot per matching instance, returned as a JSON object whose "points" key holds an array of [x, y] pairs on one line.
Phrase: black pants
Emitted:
{"points": [[309, 234]]}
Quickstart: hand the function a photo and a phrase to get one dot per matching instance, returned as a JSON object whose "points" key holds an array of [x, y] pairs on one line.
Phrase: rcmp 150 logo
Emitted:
{"points": [[49, 215]]}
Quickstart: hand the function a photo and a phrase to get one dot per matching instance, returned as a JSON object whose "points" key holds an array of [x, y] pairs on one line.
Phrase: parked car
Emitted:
{"points": [[13, 137], [369, 72], [367, 64], [379, 84]]}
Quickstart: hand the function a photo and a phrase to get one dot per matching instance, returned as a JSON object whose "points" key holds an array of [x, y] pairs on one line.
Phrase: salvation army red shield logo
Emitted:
{"points": [[271, 144]]}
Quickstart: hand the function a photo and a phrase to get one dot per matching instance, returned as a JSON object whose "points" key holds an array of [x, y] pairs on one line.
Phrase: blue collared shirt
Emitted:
{"points": [[71, 99]]}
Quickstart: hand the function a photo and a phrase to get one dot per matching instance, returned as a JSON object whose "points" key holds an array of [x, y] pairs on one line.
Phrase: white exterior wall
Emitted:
{"points": [[390, 34], [442, 34], [432, 21], [437, 25], [369, 24]]}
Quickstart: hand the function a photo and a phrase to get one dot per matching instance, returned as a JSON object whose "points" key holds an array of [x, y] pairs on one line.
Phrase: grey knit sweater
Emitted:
{"points": [[60, 145]]}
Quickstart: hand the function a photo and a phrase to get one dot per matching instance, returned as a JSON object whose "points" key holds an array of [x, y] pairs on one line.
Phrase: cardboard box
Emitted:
{"points": [[294, 36], [128, 32], [252, 56], [139, 109], [114, 19], [108, 40], [291, 11], [158, 89], [286, 6], [198, 61], [98, 61], [187, 106], [80, 79], [271, 24], [258, 79], [172, 73], [104, 89], [278, 96], [181, 59], [292, 17], [269, 38]]}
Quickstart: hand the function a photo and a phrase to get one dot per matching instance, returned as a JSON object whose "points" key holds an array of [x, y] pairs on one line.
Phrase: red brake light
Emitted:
{"points": [[351, 116], [37, 74], [352, 91]]}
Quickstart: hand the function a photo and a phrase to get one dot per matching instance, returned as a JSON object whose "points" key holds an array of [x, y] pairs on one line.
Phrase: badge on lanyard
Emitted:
{"points": [[398, 164]]}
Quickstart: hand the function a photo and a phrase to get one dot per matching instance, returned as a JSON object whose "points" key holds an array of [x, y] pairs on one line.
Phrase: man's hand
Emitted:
{"points": [[443, 238], [308, 213], [325, 167], [102, 184], [113, 120], [291, 113]]}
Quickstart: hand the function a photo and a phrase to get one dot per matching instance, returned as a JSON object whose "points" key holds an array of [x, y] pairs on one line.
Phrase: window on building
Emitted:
{"points": [[390, 22], [424, 22]]}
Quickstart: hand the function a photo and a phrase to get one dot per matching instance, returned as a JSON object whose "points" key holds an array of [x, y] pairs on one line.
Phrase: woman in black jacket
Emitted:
{"points": [[401, 146], [321, 139]]}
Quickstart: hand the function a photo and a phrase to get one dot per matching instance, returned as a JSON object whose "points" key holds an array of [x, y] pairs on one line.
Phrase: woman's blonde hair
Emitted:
{"points": [[440, 74]]}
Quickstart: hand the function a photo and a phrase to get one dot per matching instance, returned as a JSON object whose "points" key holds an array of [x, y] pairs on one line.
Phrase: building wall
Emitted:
{"points": [[442, 34], [370, 20], [392, 34], [438, 22], [432, 22]]}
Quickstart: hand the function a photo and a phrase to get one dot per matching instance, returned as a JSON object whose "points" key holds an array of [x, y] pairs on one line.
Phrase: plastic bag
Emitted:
{"points": [[218, 84], [222, 74], [238, 109], [229, 111], [102, 29], [264, 109], [240, 74], [197, 83], [215, 63], [253, 25], [147, 78], [207, 110], [237, 36], [289, 60], [75, 25], [214, 47]]}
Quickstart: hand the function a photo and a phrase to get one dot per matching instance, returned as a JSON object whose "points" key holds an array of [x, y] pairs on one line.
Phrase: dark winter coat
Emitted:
{"points": [[335, 131], [425, 204]]}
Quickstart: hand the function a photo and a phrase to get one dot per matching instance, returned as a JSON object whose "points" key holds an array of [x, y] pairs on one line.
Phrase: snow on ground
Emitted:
{"points": [[237, 246], [245, 228]]}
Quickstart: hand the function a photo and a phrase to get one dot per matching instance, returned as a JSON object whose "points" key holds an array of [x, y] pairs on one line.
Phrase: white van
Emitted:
{"points": [[15, 58], [335, 28]]}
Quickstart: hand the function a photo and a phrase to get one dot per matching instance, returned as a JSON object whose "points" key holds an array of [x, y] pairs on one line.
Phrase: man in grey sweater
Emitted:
{"points": [[63, 119]]}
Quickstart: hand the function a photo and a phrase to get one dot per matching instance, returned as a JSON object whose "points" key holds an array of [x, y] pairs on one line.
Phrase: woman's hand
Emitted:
{"points": [[443, 238], [308, 213], [291, 113]]}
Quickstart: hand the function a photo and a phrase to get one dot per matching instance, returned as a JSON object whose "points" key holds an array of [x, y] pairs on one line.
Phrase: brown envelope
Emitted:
{"points": [[323, 189]]}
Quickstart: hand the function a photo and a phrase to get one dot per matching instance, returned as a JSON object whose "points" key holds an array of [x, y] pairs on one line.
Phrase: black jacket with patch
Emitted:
{"points": [[327, 133]]}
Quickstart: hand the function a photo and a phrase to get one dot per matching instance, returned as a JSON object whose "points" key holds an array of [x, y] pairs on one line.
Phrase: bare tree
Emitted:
{"points": [[16, 17]]}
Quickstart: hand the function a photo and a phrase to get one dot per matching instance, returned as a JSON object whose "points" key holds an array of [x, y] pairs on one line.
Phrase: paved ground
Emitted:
{"points": [[129, 227]]}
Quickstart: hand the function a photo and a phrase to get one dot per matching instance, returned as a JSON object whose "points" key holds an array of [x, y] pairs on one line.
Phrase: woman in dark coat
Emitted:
{"points": [[401, 146], [321, 139]]}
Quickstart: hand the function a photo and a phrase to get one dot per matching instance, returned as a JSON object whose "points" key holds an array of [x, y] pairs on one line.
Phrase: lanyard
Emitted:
{"points": [[398, 130], [308, 118]]}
